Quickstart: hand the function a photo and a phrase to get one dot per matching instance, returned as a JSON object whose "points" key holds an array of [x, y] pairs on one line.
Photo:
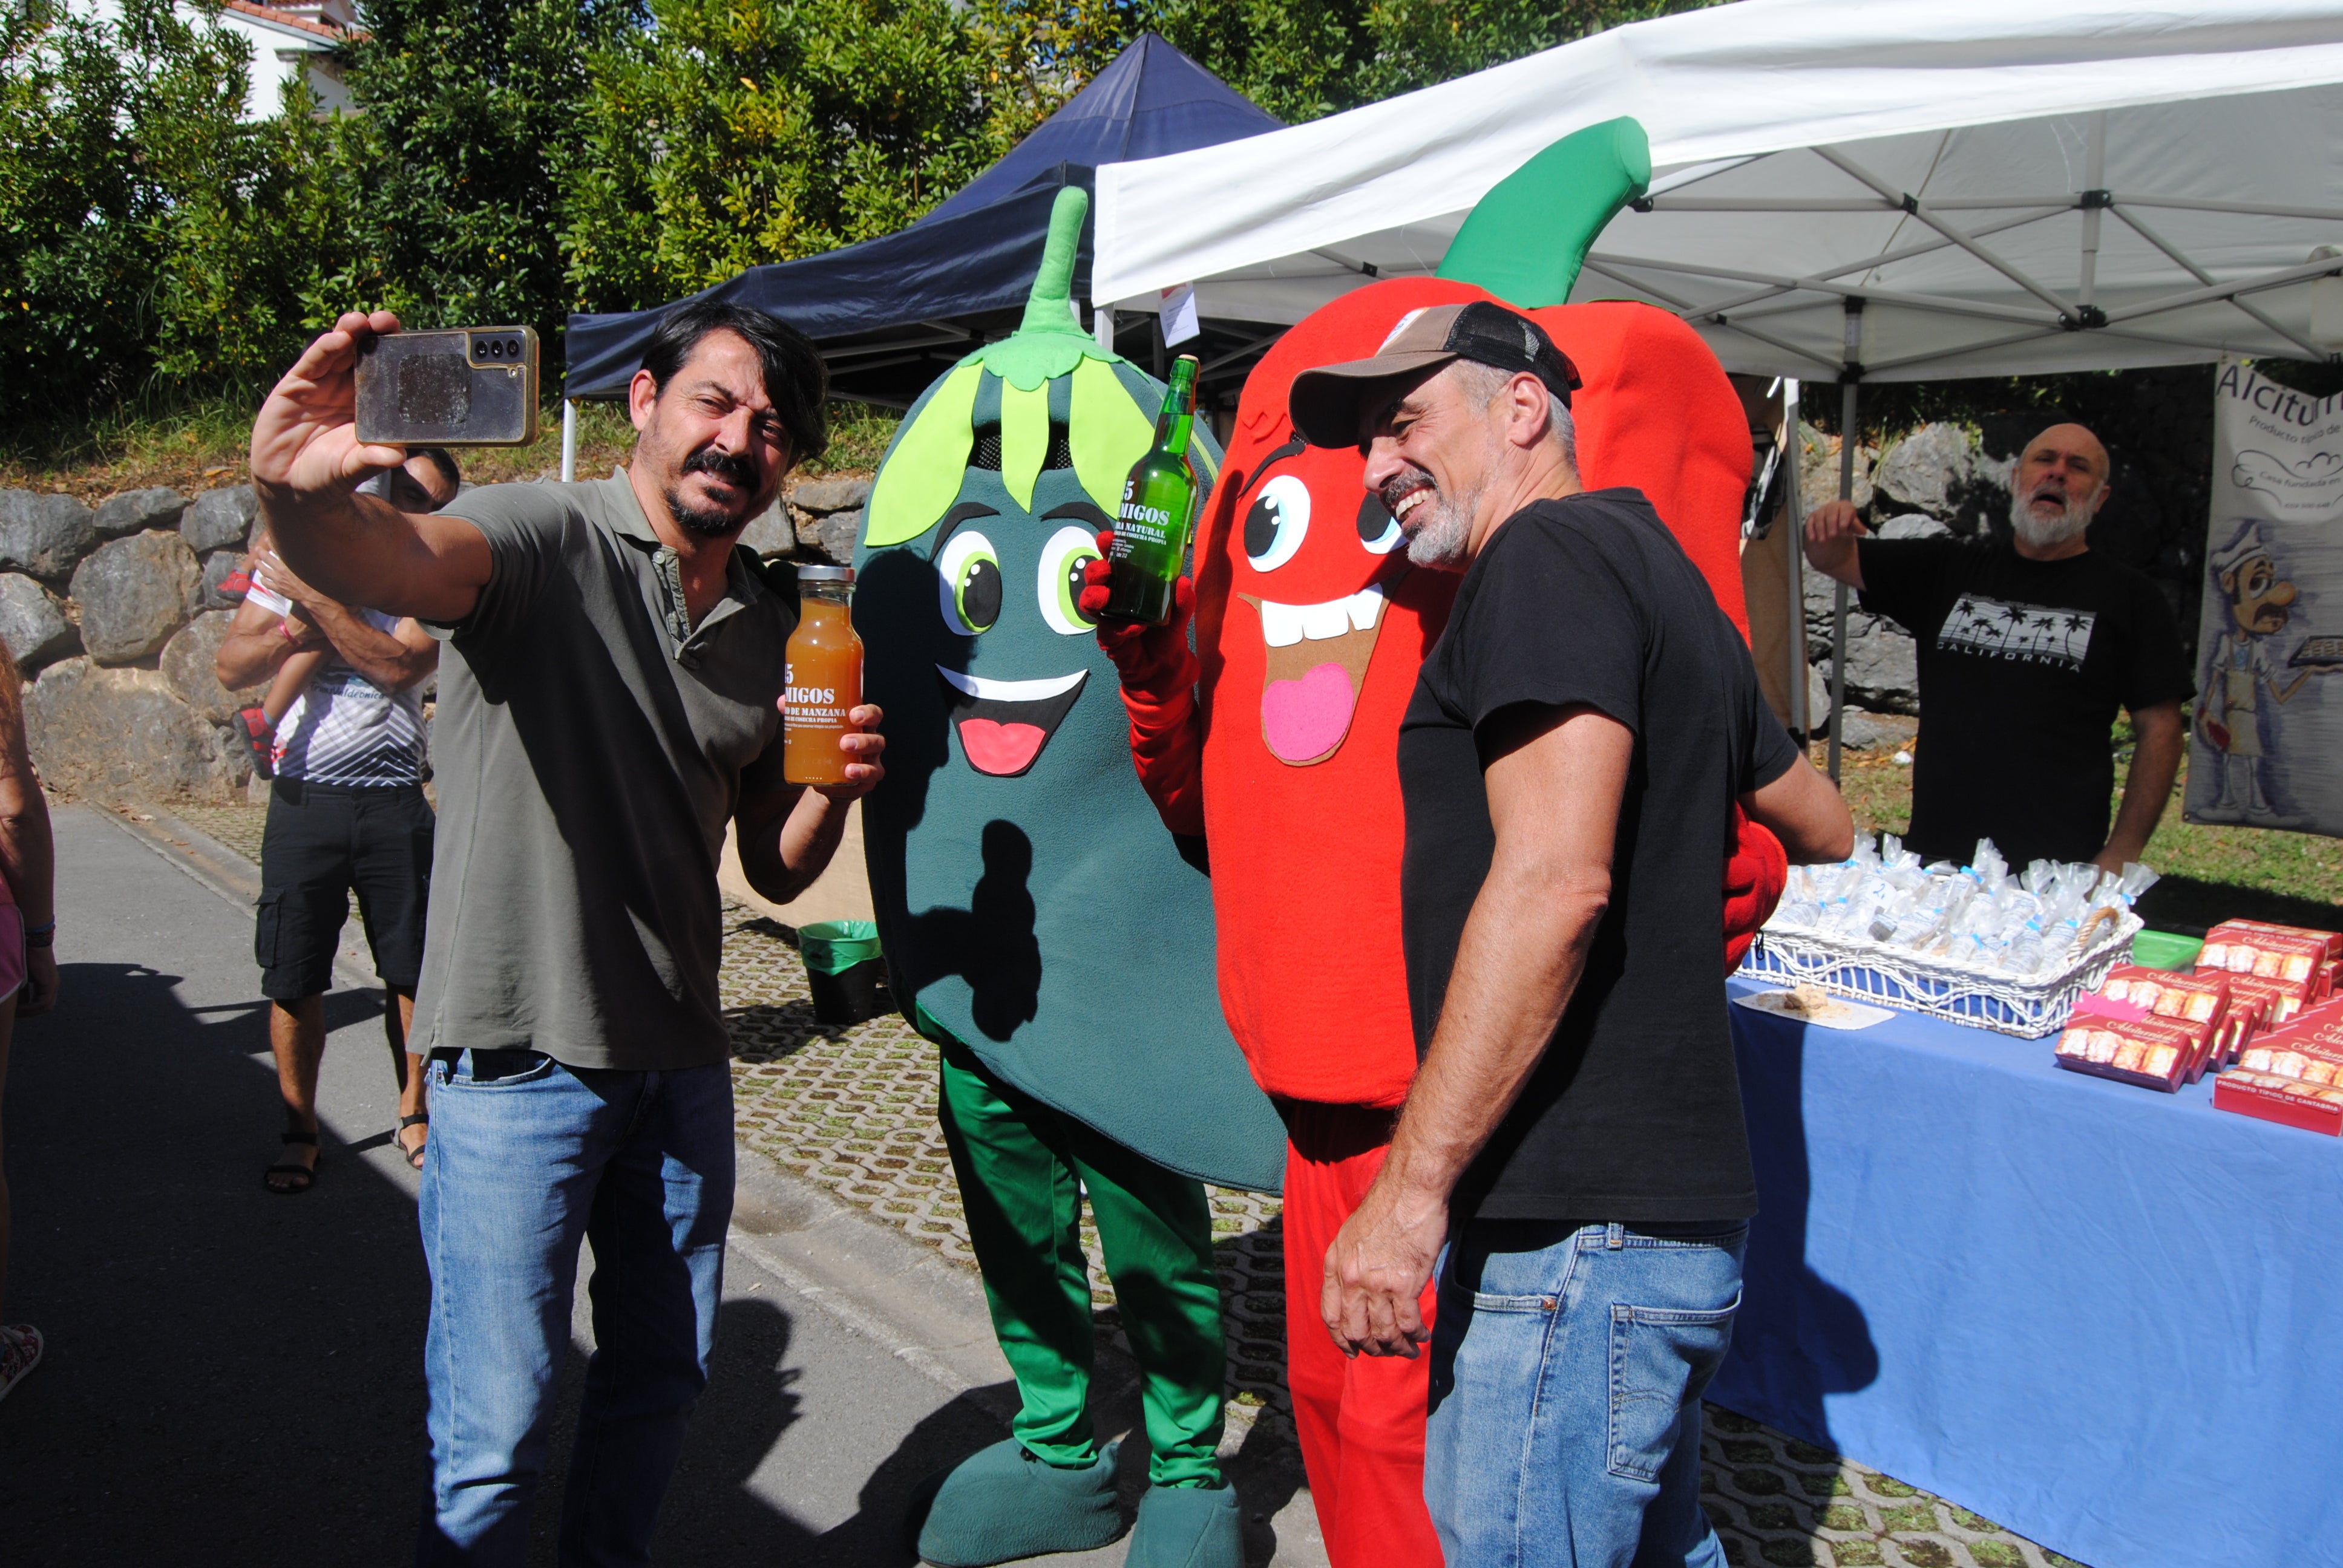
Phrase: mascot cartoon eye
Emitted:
{"points": [[1378, 529], [968, 583], [1280, 517], [1060, 581]]}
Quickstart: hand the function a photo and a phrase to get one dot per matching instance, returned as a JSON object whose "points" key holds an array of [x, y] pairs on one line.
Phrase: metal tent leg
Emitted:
{"points": [[568, 441], [1794, 568], [1847, 439]]}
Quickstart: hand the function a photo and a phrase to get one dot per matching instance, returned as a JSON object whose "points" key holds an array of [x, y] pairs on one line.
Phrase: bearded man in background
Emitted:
{"points": [[2028, 645]]}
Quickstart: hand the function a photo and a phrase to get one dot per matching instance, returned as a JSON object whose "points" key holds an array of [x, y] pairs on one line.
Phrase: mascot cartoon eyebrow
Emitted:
{"points": [[1054, 938], [1278, 740]]}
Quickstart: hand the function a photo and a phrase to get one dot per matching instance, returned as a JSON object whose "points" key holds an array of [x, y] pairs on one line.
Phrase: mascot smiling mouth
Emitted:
{"points": [[1004, 724], [1318, 656]]}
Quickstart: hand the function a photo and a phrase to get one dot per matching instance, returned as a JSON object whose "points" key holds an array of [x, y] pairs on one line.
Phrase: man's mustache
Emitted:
{"points": [[734, 467]]}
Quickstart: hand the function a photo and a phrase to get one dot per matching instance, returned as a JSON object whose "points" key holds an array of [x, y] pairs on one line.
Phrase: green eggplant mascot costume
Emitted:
{"points": [[1051, 936]]}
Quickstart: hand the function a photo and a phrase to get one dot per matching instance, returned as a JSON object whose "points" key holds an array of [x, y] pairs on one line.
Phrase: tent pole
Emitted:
{"points": [[568, 441], [1851, 377], [1795, 514], [1102, 326]]}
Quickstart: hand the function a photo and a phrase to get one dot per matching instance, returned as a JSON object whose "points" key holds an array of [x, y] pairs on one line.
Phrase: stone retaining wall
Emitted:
{"points": [[115, 613]]}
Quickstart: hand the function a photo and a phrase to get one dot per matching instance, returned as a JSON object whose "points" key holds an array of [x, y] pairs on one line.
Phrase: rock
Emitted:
{"points": [[188, 660], [770, 533], [1859, 731], [1819, 470], [32, 622], [1924, 468], [135, 511], [47, 536], [134, 593], [835, 534], [218, 518], [838, 495], [216, 567], [1913, 526], [1883, 667], [116, 732]]}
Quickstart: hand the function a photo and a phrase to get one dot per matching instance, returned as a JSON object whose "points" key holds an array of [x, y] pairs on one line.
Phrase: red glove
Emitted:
{"points": [[1158, 672], [1756, 873]]}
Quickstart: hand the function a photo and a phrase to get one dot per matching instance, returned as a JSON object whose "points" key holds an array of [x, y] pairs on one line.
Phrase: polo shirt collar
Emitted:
{"points": [[741, 587]]}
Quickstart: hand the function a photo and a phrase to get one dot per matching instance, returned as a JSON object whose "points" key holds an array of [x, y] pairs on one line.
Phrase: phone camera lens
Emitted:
{"points": [[512, 346]]}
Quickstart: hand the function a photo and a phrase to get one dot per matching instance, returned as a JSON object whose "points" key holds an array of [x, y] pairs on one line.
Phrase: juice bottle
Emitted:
{"points": [[824, 676]]}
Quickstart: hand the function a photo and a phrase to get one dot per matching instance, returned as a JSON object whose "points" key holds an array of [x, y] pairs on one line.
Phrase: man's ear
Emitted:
{"points": [[641, 393], [1527, 400]]}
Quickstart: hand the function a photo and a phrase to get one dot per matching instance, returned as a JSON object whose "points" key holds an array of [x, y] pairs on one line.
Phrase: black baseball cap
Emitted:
{"points": [[1325, 402]]}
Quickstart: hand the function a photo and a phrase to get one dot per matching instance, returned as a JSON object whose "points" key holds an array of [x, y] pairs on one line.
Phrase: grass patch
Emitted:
{"points": [[2210, 873], [198, 445]]}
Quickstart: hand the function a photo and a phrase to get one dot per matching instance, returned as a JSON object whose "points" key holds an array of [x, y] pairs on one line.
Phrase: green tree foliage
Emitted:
{"points": [[730, 133], [146, 230], [451, 169]]}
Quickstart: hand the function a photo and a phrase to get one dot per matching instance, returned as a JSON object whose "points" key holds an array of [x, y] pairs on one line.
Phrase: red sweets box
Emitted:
{"points": [[2152, 1052], [2289, 1101], [2130, 991], [2272, 953], [2310, 1048]]}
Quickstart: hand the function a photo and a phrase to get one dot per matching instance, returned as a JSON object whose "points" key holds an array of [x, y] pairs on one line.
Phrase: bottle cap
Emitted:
{"points": [[825, 574]]}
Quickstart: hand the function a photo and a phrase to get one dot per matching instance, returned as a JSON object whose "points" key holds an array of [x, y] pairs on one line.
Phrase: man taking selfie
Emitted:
{"points": [[610, 702]]}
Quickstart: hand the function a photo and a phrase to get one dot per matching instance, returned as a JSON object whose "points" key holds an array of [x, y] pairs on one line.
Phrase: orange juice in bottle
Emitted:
{"points": [[824, 676]]}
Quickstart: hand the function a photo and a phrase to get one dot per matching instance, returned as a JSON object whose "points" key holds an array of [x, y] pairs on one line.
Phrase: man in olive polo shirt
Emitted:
{"points": [[610, 702]]}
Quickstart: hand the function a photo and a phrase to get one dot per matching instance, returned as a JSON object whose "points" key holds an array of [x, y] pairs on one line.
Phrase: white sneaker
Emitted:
{"points": [[20, 1352]]}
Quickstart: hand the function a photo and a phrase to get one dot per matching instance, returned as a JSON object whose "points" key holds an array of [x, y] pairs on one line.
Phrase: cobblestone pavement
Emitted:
{"points": [[853, 1110]]}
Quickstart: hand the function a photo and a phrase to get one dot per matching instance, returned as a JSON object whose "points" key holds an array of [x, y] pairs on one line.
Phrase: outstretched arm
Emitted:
{"points": [[307, 459]]}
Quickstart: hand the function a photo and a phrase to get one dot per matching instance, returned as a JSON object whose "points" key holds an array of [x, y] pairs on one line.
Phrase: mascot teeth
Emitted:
{"points": [[978, 686], [1283, 625]]}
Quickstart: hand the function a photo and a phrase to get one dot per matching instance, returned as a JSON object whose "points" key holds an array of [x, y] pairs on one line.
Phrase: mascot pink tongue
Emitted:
{"points": [[1304, 719]]}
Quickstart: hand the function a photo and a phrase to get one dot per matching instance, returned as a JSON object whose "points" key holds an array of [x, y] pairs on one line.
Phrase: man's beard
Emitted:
{"points": [[710, 522], [2049, 533], [1439, 530]]}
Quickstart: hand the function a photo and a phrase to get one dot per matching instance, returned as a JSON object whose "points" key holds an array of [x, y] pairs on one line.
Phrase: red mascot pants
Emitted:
{"points": [[1361, 1422]]}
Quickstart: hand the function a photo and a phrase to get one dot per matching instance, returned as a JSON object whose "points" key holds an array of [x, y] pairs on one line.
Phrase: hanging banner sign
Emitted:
{"points": [[2266, 746]]}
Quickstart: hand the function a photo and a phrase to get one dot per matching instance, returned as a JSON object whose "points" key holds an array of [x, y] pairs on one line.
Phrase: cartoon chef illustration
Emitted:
{"points": [[2240, 667]]}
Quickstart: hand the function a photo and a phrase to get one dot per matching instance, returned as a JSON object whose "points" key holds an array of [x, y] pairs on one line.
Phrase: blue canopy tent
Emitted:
{"points": [[887, 310]]}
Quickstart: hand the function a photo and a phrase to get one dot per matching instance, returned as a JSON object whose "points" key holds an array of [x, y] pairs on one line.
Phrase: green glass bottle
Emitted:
{"points": [[1159, 509]]}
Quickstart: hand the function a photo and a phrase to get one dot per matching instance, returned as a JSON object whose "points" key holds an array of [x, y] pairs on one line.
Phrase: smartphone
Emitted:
{"points": [[467, 386]]}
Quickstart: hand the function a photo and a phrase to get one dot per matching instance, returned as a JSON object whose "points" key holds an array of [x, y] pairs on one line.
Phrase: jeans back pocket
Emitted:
{"points": [[1661, 1359]]}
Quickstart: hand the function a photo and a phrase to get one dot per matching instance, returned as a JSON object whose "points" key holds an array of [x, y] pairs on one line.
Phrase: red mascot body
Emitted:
{"points": [[1309, 627]]}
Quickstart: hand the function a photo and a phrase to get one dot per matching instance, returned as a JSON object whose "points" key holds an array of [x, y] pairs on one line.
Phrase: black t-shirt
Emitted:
{"points": [[1633, 1113], [2023, 665]]}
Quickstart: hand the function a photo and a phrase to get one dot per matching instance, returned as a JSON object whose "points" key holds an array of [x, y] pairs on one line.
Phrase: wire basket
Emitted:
{"points": [[1898, 978]]}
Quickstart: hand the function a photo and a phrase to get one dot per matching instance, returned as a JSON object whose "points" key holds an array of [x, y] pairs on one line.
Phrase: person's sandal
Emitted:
{"points": [[415, 1155], [305, 1176], [261, 738]]}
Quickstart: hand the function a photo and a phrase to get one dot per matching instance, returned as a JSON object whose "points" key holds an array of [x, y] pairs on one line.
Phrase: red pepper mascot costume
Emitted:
{"points": [[1278, 739]]}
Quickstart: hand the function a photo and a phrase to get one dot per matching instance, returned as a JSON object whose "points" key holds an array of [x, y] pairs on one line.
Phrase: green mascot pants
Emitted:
{"points": [[1023, 1169]]}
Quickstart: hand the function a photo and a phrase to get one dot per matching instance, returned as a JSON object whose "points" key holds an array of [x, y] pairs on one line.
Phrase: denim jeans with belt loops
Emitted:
{"points": [[528, 1158], [1567, 1375]]}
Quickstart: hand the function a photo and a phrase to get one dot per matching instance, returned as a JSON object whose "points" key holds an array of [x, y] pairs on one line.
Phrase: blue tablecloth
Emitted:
{"points": [[2109, 1319]]}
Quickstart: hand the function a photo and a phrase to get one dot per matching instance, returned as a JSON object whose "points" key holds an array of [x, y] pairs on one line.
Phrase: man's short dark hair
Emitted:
{"points": [[795, 378], [440, 458]]}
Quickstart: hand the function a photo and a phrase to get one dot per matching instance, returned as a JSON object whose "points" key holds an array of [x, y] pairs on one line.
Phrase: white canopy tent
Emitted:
{"points": [[1845, 190]]}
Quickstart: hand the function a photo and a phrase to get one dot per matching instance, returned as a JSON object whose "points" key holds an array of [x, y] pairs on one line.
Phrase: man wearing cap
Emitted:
{"points": [[2028, 645], [1569, 763]]}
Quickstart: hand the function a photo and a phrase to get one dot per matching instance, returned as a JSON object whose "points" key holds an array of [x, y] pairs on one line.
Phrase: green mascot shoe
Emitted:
{"points": [[1001, 1503], [1188, 1527]]}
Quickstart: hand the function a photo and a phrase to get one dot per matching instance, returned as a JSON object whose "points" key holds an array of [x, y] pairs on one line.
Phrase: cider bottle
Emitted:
{"points": [[824, 678], [1159, 507]]}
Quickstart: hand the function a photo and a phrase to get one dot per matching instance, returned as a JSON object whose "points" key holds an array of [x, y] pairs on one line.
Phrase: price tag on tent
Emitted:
{"points": [[1179, 312]]}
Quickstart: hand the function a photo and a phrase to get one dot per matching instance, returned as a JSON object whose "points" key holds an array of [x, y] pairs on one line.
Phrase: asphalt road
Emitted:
{"points": [[234, 1377]]}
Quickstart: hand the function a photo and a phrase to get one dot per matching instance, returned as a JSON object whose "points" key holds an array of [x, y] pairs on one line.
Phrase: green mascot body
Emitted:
{"points": [[1054, 938]]}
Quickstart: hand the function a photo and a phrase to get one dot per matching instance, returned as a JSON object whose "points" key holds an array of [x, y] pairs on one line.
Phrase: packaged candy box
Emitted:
{"points": [[2310, 1048], [2271, 953], [2131, 991], [2152, 1052], [2289, 1101]]}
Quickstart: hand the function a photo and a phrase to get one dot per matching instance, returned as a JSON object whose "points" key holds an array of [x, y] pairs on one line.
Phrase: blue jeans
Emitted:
{"points": [[1567, 1373], [527, 1158]]}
